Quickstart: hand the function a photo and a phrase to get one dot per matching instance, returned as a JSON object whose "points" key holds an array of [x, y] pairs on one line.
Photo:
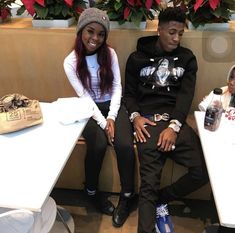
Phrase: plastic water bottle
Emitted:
{"points": [[214, 111]]}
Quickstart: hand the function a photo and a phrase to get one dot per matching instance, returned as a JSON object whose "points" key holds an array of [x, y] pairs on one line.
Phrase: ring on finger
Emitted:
{"points": [[172, 147]]}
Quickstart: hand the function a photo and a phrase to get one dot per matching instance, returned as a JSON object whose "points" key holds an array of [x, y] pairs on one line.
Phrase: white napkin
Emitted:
{"points": [[73, 109]]}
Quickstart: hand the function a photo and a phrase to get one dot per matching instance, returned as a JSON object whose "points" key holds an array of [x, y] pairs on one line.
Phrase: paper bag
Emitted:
{"points": [[18, 112]]}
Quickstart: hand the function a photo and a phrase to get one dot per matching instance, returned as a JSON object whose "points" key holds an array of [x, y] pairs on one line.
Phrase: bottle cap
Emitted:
{"points": [[218, 91]]}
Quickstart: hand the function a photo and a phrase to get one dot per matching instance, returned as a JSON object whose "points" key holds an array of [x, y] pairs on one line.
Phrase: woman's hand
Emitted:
{"points": [[141, 132], [167, 139], [109, 131]]}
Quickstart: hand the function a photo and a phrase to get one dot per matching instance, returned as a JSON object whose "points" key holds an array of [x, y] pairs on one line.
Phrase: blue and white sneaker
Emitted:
{"points": [[163, 220], [156, 228]]}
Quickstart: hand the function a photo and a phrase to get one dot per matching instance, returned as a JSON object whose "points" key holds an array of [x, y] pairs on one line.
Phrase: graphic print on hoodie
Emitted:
{"points": [[162, 73]]}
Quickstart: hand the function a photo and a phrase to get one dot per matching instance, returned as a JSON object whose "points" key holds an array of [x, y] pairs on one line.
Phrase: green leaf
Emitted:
{"points": [[117, 6], [58, 9], [49, 2], [113, 16], [51, 10], [222, 13], [65, 11], [21, 10], [41, 12], [136, 17]]}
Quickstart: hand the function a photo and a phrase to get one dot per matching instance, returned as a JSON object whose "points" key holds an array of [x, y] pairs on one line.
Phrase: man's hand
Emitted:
{"points": [[167, 139], [141, 132], [109, 131]]}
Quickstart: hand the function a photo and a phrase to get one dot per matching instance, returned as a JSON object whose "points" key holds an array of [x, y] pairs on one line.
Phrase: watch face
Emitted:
{"points": [[133, 116], [175, 127]]}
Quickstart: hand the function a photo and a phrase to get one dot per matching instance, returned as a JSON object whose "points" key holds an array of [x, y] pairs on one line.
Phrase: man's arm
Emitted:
{"points": [[167, 138], [186, 92], [131, 86], [131, 101]]}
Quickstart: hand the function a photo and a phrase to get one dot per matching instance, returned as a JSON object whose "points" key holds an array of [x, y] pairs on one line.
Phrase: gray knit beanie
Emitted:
{"points": [[93, 15]]}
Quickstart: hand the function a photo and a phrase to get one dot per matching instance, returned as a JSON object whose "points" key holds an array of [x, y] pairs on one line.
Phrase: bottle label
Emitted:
{"points": [[212, 118]]}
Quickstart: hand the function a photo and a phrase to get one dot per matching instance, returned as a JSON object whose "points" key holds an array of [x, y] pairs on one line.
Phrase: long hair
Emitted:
{"points": [[104, 60]]}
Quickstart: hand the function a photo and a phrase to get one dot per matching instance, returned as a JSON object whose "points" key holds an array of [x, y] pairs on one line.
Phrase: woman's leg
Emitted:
{"points": [[124, 148], [96, 142], [123, 145], [96, 147]]}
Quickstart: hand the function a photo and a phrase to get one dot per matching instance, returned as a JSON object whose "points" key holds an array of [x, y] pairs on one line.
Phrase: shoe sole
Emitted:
{"points": [[107, 213], [117, 225]]}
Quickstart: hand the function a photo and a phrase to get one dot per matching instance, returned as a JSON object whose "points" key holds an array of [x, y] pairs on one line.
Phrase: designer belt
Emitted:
{"points": [[158, 117]]}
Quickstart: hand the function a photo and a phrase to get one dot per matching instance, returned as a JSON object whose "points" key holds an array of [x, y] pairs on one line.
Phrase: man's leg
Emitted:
{"points": [[188, 153], [151, 163]]}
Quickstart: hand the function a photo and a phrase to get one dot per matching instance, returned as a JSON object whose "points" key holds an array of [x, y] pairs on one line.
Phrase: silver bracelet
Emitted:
{"points": [[133, 116]]}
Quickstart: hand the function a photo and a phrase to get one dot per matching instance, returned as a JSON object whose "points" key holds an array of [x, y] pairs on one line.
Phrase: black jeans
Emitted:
{"points": [[96, 141], [188, 153], [225, 230]]}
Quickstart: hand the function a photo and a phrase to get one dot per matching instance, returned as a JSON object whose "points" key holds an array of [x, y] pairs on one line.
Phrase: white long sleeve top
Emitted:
{"points": [[93, 66], [225, 99]]}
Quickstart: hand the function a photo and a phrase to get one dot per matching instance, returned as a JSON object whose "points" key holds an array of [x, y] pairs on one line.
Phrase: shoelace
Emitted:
{"points": [[162, 211]]}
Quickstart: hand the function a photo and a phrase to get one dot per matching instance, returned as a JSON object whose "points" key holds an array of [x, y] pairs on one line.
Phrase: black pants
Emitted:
{"points": [[225, 230], [96, 141], [188, 153]]}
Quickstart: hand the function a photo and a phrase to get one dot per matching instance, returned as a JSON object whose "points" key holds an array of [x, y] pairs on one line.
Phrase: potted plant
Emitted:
{"points": [[52, 10], [201, 12], [5, 9], [129, 10]]}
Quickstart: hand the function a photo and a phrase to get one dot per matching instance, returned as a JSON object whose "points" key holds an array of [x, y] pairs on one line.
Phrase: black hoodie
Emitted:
{"points": [[160, 82]]}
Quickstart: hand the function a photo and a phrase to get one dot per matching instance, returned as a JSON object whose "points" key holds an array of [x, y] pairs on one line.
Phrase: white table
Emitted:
{"points": [[219, 153], [32, 159]]}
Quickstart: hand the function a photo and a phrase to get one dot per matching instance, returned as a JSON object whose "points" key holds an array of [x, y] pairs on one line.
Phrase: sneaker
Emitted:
{"points": [[156, 228], [122, 210], [101, 203], [163, 220]]}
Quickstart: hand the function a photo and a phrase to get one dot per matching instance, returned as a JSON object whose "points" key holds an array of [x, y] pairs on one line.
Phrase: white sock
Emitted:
{"points": [[127, 194], [91, 192]]}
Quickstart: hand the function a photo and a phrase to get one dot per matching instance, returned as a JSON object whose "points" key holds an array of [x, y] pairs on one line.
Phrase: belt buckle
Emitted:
{"points": [[158, 117]]}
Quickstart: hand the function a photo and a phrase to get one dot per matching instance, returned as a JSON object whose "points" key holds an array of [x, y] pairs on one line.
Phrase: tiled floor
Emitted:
{"points": [[190, 216]]}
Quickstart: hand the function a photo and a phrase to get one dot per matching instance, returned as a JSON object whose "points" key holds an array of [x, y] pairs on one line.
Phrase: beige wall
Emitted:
{"points": [[31, 60]]}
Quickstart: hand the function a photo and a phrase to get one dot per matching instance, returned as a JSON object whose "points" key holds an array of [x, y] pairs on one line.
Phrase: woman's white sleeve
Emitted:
{"points": [[116, 89], [70, 70]]}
